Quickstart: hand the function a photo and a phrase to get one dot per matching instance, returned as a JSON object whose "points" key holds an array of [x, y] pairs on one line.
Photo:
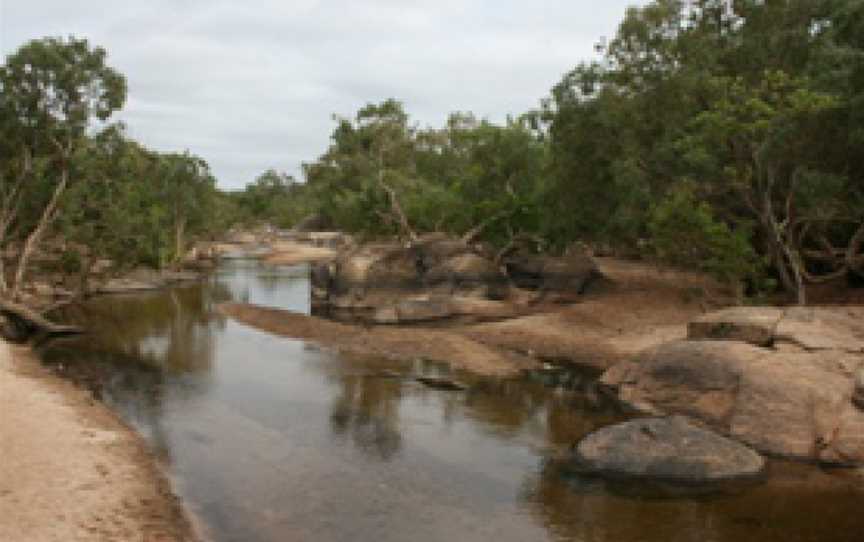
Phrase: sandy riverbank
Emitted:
{"points": [[70, 470]]}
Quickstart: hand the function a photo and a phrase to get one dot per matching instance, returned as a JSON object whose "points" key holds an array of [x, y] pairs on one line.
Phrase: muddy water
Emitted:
{"points": [[270, 439]]}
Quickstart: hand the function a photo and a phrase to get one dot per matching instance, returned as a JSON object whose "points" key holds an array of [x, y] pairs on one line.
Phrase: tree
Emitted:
{"points": [[51, 91], [766, 131]]}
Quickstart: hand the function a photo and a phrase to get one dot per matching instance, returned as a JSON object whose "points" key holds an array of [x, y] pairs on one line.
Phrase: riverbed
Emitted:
{"points": [[271, 439]]}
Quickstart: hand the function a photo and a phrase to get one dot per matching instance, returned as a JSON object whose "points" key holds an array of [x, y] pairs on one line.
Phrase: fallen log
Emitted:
{"points": [[20, 324]]}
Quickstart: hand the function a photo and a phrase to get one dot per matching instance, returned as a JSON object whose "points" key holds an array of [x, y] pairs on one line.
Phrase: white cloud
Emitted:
{"points": [[252, 85]]}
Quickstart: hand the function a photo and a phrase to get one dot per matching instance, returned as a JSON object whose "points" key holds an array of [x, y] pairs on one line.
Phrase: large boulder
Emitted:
{"points": [[796, 399], [666, 449]]}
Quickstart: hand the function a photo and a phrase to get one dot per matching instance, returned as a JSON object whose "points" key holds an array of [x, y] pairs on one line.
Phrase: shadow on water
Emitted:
{"points": [[270, 439]]}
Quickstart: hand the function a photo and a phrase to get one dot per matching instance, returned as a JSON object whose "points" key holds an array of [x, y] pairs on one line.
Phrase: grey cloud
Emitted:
{"points": [[252, 85]]}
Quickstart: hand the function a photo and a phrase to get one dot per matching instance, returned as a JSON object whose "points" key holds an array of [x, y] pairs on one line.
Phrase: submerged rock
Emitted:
{"points": [[666, 449]]}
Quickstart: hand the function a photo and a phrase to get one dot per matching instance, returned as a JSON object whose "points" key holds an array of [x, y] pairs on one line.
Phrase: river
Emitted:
{"points": [[270, 439]]}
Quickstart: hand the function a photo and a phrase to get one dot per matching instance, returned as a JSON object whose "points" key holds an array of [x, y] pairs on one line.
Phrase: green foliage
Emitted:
{"points": [[450, 179], [107, 196], [274, 198], [685, 232]]}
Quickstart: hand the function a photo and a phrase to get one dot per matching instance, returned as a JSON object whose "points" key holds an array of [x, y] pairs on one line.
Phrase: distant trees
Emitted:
{"points": [[384, 175], [274, 197]]}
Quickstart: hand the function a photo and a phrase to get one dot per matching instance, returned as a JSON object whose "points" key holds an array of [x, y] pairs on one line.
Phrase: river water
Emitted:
{"points": [[271, 439]]}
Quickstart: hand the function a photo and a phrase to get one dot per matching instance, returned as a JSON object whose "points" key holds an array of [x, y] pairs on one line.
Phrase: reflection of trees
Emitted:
{"points": [[584, 510], [368, 410], [170, 329], [555, 408]]}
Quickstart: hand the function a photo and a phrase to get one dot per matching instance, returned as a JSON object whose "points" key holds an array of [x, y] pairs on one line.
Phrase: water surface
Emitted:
{"points": [[270, 439]]}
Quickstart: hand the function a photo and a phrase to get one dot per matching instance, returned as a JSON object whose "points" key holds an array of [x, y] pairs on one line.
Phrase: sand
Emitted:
{"points": [[70, 470]]}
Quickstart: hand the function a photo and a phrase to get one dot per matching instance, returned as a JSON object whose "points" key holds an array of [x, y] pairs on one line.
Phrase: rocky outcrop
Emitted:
{"points": [[435, 277], [787, 382], [666, 449]]}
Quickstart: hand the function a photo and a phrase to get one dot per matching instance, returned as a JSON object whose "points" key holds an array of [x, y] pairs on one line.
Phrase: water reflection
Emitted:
{"points": [[367, 409], [271, 439]]}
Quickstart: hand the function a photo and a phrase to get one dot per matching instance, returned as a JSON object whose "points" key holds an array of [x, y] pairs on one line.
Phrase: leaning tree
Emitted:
{"points": [[51, 90]]}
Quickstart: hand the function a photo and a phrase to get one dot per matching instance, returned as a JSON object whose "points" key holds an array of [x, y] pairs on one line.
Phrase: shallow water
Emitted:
{"points": [[270, 439]]}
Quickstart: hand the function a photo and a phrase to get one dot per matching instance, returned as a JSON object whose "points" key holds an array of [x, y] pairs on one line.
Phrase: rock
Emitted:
{"points": [[468, 273], [823, 328], [796, 400], [754, 325], [373, 266], [567, 277], [435, 248], [423, 309], [526, 271], [858, 392], [413, 310], [382, 283], [666, 449]]}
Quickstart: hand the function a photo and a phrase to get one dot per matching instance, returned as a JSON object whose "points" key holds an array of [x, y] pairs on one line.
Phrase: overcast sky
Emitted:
{"points": [[251, 85]]}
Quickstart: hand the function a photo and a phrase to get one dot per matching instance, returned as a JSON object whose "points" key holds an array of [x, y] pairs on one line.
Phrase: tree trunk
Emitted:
{"points": [[394, 202], [179, 240], [788, 264], [35, 236], [8, 212], [853, 260]]}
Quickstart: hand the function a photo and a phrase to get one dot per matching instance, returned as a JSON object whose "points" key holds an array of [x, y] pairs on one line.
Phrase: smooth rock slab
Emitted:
{"points": [[666, 449]]}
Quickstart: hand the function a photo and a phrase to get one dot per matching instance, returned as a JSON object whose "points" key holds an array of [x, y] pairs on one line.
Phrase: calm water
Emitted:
{"points": [[270, 439]]}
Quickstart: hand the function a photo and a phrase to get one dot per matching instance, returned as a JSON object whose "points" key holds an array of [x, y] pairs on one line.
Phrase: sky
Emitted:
{"points": [[254, 84]]}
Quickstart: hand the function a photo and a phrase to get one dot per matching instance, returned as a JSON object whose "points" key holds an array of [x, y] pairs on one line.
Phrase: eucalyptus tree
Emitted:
{"points": [[369, 165], [52, 89]]}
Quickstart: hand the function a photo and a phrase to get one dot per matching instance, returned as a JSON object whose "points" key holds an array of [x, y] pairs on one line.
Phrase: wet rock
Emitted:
{"points": [[666, 449]]}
